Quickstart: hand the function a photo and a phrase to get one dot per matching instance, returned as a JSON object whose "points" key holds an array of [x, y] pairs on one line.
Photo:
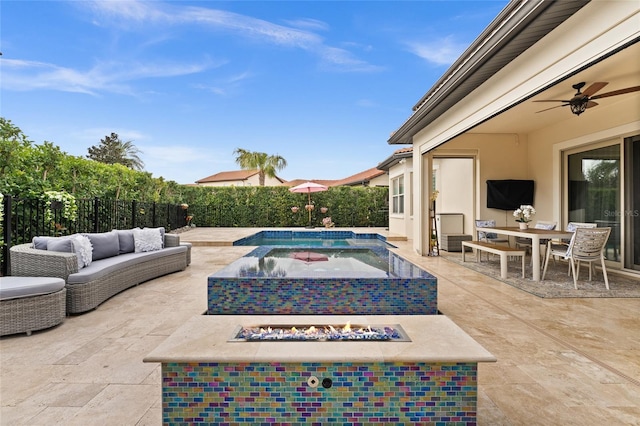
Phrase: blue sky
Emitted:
{"points": [[322, 84]]}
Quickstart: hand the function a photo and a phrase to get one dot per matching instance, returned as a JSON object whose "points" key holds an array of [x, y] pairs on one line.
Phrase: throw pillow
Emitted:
{"points": [[40, 243], [161, 230], [147, 239], [105, 244], [125, 238], [83, 249]]}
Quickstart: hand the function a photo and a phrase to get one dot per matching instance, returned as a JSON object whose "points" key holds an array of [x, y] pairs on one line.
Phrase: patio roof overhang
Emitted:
{"points": [[519, 26]]}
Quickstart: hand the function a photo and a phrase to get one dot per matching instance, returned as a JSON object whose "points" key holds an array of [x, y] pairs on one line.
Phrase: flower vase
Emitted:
{"points": [[524, 225]]}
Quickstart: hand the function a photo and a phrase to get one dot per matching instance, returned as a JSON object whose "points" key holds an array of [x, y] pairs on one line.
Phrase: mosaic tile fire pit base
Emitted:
{"points": [[431, 379]]}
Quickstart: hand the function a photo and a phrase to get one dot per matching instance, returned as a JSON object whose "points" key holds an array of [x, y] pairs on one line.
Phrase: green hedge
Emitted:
{"points": [[271, 207]]}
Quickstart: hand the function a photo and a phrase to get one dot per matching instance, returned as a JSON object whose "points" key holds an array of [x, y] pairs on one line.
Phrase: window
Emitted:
{"points": [[397, 185]]}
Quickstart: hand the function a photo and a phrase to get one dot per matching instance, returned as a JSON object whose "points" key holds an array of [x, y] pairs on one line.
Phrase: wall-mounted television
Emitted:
{"points": [[509, 194]]}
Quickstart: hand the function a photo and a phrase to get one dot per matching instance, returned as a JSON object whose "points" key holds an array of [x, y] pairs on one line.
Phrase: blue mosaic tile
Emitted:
{"points": [[381, 399]]}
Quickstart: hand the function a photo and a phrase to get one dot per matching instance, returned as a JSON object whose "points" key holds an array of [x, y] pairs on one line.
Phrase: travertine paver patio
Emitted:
{"points": [[560, 361]]}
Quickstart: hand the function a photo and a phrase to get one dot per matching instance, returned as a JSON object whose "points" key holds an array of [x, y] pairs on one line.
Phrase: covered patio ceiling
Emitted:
{"points": [[620, 71]]}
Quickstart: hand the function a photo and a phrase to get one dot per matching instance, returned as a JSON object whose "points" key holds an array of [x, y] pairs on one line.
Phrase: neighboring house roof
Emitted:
{"points": [[519, 26], [234, 175], [362, 178], [397, 156]]}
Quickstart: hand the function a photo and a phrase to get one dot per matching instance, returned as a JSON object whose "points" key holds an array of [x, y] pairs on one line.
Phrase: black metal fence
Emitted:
{"points": [[25, 218]]}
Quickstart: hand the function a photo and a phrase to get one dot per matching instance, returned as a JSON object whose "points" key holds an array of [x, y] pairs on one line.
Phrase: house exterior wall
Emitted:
{"points": [[382, 180], [454, 182], [401, 224]]}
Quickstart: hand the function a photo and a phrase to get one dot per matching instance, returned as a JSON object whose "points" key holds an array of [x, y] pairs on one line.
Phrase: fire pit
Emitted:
{"points": [[431, 379], [331, 333]]}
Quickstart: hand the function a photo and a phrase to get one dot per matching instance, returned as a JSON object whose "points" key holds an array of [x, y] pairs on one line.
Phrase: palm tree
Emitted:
{"points": [[267, 165], [112, 150]]}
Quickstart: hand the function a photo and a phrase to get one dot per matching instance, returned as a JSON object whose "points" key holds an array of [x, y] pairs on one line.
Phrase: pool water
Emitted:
{"points": [[312, 239], [291, 262]]}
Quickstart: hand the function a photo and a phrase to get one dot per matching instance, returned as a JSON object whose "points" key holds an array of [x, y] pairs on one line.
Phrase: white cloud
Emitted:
{"points": [[443, 51], [234, 23], [308, 23], [103, 77]]}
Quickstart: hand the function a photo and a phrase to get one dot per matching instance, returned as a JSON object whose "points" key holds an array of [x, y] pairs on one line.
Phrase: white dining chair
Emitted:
{"points": [[586, 245]]}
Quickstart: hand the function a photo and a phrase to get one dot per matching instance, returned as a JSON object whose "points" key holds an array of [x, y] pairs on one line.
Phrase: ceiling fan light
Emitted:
{"points": [[579, 106]]}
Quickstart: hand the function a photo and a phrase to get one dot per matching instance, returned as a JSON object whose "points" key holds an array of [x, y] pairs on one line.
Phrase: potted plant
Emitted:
{"points": [[523, 215]]}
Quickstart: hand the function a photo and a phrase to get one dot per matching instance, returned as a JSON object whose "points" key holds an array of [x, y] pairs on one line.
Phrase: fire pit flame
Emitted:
{"points": [[321, 333]]}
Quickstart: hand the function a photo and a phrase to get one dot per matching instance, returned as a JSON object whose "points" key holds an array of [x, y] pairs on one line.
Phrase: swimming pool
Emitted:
{"points": [[323, 238]]}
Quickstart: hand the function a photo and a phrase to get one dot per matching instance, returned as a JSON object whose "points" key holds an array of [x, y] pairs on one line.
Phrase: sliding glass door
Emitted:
{"points": [[594, 192], [631, 214]]}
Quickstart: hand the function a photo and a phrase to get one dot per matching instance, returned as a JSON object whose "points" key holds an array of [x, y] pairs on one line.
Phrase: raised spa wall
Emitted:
{"points": [[408, 290]]}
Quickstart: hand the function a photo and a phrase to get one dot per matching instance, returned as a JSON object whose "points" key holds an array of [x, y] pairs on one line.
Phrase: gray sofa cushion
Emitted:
{"points": [[16, 287], [125, 238], [105, 244], [113, 264], [40, 243], [64, 245]]}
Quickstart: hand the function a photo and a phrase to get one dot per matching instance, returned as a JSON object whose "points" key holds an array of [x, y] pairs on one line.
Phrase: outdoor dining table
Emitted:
{"points": [[535, 235]]}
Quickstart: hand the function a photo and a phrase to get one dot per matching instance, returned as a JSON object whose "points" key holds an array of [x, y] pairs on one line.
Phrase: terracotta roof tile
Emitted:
{"points": [[229, 176]]}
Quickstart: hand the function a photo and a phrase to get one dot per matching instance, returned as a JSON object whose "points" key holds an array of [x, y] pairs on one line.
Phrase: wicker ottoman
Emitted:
{"points": [[31, 303]]}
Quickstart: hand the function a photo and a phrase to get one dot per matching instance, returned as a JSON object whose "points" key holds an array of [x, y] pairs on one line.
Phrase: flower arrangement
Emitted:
{"points": [[295, 209], [324, 209], [523, 213], [327, 222], [309, 207], [66, 203]]}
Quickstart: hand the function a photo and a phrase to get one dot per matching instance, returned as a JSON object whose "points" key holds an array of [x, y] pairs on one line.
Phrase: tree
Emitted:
{"points": [[112, 150], [267, 165]]}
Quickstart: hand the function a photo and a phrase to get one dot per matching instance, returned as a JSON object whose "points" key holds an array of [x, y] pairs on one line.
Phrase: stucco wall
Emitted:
{"points": [[499, 156]]}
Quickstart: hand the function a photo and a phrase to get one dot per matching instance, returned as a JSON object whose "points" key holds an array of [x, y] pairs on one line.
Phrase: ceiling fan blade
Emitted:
{"points": [[555, 100], [617, 92], [595, 87], [591, 104], [547, 109]]}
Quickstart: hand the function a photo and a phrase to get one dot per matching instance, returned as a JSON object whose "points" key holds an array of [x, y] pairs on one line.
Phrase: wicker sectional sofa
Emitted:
{"points": [[108, 273]]}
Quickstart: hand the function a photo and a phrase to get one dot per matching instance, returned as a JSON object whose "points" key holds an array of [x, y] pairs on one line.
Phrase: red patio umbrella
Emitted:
{"points": [[309, 187]]}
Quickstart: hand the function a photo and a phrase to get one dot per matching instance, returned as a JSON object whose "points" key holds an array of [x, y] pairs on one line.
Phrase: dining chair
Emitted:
{"points": [[588, 246], [562, 249], [490, 237], [559, 248]]}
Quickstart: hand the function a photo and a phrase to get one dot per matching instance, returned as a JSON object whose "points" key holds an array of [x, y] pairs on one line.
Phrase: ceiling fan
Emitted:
{"points": [[583, 100]]}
